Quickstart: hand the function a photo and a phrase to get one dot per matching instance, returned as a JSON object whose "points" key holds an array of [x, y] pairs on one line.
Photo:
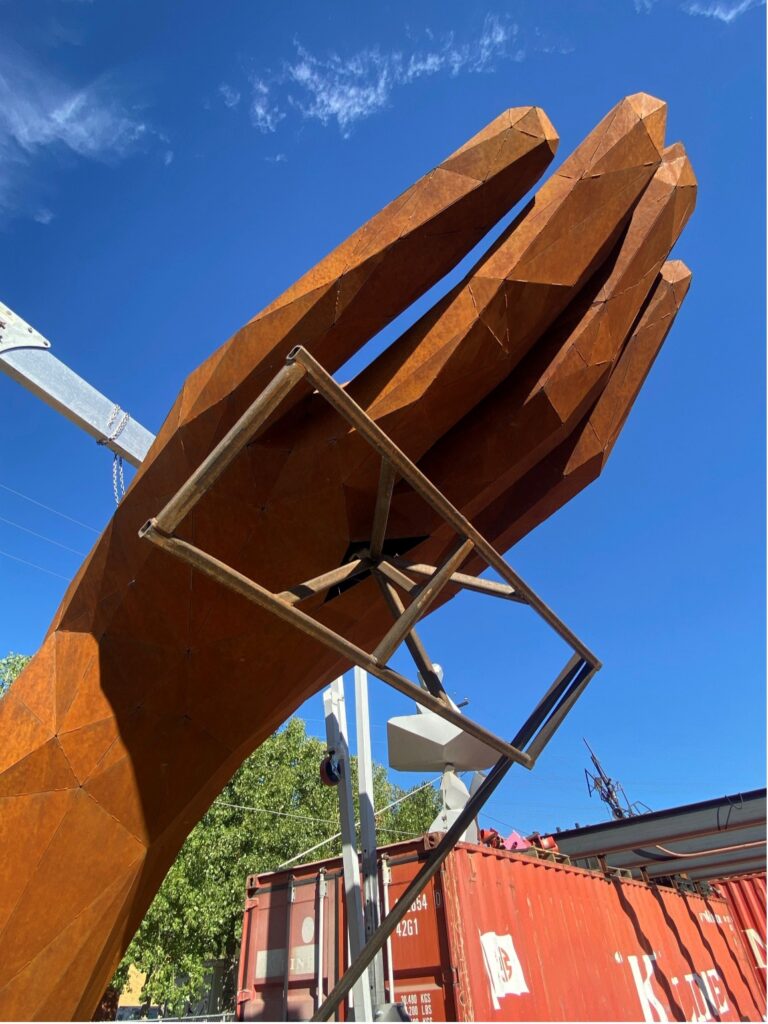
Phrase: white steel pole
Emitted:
{"points": [[337, 736], [371, 906]]}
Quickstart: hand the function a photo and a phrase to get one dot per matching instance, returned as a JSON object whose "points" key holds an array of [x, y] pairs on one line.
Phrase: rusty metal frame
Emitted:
{"points": [[392, 574]]}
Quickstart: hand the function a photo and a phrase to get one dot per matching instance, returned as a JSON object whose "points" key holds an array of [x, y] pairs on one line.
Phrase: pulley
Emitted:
{"points": [[330, 769]]}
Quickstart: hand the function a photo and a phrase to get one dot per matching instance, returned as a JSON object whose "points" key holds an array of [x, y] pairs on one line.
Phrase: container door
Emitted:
{"points": [[417, 972], [289, 953]]}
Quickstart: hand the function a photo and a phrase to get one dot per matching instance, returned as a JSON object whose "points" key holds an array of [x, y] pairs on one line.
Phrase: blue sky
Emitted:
{"points": [[164, 173]]}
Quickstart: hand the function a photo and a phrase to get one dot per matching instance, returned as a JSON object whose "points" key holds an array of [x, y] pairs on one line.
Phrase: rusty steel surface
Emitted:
{"points": [[746, 897], [502, 936], [115, 741]]}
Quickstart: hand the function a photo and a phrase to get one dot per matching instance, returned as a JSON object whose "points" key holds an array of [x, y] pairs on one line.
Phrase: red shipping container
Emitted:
{"points": [[502, 936], [745, 895]]}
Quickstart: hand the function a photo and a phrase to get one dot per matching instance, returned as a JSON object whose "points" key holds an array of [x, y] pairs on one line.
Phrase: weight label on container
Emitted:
{"points": [[418, 1005]]}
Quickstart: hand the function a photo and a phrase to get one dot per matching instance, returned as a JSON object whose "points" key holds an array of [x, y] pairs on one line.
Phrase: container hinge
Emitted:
{"points": [[451, 975]]}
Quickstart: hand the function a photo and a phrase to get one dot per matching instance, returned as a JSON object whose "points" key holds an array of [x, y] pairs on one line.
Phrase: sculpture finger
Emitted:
{"points": [[580, 459], [538, 405], [471, 340], [567, 468]]}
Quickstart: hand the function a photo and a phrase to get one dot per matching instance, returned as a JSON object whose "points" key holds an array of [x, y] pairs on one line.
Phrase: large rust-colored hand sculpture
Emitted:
{"points": [[153, 683]]}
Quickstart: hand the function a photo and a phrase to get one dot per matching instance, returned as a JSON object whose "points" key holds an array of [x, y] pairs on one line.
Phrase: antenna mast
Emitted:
{"points": [[610, 791]]}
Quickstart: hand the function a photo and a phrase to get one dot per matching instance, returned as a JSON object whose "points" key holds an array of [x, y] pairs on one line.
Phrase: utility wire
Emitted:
{"points": [[7, 554], [42, 536], [48, 508], [307, 817], [336, 835]]}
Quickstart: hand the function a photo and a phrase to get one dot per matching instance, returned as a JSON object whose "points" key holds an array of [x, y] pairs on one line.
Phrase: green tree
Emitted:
{"points": [[10, 667], [273, 808]]}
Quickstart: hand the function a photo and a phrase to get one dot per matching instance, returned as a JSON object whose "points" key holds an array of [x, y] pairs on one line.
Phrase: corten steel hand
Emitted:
{"points": [[153, 683]]}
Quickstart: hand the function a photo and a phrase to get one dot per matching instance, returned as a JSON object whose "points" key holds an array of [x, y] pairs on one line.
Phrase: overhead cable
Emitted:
{"points": [[42, 536], [7, 554], [48, 508]]}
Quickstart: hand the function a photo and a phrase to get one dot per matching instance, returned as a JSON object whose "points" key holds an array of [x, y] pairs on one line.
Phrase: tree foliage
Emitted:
{"points": [[273, 808], [10, 667]]}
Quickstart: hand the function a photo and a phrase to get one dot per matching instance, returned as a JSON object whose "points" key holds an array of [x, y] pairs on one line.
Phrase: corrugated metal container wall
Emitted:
{"points": [[501, 937], [745, 895], [546, 941]]}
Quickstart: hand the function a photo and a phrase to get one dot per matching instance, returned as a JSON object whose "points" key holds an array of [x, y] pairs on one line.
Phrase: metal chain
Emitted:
{"points": [[113, 432], [117, 477]]}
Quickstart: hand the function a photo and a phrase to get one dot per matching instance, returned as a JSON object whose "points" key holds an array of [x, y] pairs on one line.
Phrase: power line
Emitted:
{"points": [[7, 554], [48, 508], [498, 821], [42, 536], [307, 817], [317, 846]]}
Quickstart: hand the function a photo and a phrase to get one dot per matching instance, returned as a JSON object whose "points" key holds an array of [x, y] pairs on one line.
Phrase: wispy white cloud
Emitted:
{"points": [[347, 90], [41, 116], [265, 113], [278, 158], [343, 90], [723, 10], [168, 157], [230, 96], [43, 215], [80, 121]]}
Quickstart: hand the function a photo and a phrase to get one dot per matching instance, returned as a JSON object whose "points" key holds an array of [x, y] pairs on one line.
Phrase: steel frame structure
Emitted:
{"points": [[392, 576]]}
